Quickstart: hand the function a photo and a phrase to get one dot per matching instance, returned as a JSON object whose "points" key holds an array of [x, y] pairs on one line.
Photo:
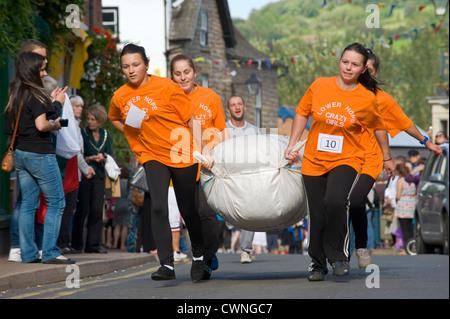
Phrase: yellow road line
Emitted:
{"points": [[75, 290]]}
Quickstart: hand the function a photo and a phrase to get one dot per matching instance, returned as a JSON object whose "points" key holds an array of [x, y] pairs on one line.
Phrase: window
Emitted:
{"points": [[205, 80], [111, 20], [204, 28]]}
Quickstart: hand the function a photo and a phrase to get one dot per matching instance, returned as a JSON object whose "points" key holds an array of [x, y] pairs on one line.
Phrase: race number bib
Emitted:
{"points": [[330, 143]]}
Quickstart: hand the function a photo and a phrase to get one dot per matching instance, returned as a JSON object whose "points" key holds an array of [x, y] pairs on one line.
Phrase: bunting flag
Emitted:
{"points": [[309, 59], [392, 10], [380, 5], [438, 27], [295, 59]]}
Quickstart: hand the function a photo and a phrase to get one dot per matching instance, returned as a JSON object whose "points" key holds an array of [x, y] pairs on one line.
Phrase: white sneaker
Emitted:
{"points": [[363, 257], [14, 255], [178, 256], [245, 258]]}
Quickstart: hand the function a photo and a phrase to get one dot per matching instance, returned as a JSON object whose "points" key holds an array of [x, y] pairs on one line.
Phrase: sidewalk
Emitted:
{"points": [[16, 275]]}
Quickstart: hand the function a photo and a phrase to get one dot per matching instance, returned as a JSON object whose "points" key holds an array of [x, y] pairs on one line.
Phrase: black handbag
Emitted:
{"points": [[139, 179]]}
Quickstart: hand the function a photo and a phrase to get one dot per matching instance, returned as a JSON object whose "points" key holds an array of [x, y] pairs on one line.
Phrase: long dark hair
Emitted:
{"points": [[27, 82], [368, 81], [374, 58]]}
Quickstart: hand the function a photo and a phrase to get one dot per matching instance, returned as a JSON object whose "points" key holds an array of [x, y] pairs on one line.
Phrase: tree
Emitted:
{"points": [[309, 38]]}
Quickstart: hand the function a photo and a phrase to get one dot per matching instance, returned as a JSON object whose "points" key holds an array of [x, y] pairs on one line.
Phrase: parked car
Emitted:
{"points": [[431, 219]]}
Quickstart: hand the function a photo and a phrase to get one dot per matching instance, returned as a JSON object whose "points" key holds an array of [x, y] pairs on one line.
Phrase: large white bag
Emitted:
{"points": [[250, 185], [67, 144]]}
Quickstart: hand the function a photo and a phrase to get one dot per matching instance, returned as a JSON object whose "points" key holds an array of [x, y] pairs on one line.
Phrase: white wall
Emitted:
{"points": [[143, 22]]}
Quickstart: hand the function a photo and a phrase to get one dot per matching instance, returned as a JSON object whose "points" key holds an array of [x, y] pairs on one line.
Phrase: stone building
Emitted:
{"points": [[203, 29]]}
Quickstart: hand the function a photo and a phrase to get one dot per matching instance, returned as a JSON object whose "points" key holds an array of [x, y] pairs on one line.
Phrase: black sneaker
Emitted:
{"points": [[207, 273], [340, 268], [163, 273], [315, 276], [197, 270]]}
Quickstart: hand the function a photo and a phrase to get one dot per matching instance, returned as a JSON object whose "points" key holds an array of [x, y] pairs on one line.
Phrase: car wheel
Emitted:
{"points": [[421, 246], [445, 232], [410, 247]]}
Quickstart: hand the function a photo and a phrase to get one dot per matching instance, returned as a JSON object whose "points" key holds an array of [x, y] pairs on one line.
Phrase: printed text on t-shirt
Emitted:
{"points": [[337, 119]]}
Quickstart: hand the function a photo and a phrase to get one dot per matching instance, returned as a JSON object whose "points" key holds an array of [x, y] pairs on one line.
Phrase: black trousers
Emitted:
{"points": [[328, 196], [91, 199], [358, 214], [184, 185], [210, 226], [66, 219], [145, 236]]}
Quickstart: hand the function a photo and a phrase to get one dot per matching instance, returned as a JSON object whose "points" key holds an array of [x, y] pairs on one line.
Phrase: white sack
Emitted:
{"points": [[67, 144], [111, 168], [250, 186]]}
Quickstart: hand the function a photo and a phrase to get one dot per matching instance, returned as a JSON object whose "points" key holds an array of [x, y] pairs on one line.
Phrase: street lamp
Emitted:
{"points": [[255, 83], [440, 7]]}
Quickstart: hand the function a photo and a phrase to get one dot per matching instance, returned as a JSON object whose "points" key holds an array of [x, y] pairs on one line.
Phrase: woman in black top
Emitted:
{"points": [[91, 194], [35, 161]]}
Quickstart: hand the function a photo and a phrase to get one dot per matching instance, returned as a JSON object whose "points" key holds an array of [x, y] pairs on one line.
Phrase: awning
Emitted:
{"points": [[70, 68]]}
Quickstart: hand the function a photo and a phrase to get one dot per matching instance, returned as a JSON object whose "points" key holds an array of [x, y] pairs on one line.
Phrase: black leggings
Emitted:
{"points": [[184, 185], [328, 210], [210, 226], [358, 215]]}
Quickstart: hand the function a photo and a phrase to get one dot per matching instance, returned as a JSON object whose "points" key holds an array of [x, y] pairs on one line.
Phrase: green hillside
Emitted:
{"points": [[308, 36]]}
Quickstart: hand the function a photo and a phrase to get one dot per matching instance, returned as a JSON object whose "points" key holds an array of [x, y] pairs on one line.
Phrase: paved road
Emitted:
{"points": [[269, 277]]}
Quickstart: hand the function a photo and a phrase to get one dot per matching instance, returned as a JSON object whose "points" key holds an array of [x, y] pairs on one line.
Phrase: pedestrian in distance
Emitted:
{"points": [[238, 126], [158, 121], [209, 113], [64, 239], [120, 212], [91, 194], [405, 203], [441, 137], [342, 107], [396, 121], [35, 160]]}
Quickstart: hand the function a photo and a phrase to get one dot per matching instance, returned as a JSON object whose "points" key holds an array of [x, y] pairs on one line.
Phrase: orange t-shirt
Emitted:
{"points": [[339, 118], [209, 113], [164, 135], [395, 120]]}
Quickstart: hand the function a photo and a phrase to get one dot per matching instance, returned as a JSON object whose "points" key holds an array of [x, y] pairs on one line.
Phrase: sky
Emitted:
{"points": [[242, 8]]}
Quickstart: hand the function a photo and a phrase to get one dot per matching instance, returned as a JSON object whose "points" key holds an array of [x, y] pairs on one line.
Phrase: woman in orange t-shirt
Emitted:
{"points": [[157, 119], [209, 113], [342, 107], [396, 121]]}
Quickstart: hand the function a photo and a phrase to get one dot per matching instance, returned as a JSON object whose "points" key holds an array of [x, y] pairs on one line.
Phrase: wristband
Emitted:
{"points": [[387, 160], [424, 141]]}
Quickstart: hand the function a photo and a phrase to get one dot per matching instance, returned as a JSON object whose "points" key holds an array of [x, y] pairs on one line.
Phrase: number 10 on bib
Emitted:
{"points": [[330, 143]]}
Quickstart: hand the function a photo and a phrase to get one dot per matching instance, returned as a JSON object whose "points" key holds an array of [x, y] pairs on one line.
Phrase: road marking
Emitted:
{"points": [[106, 282]]}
